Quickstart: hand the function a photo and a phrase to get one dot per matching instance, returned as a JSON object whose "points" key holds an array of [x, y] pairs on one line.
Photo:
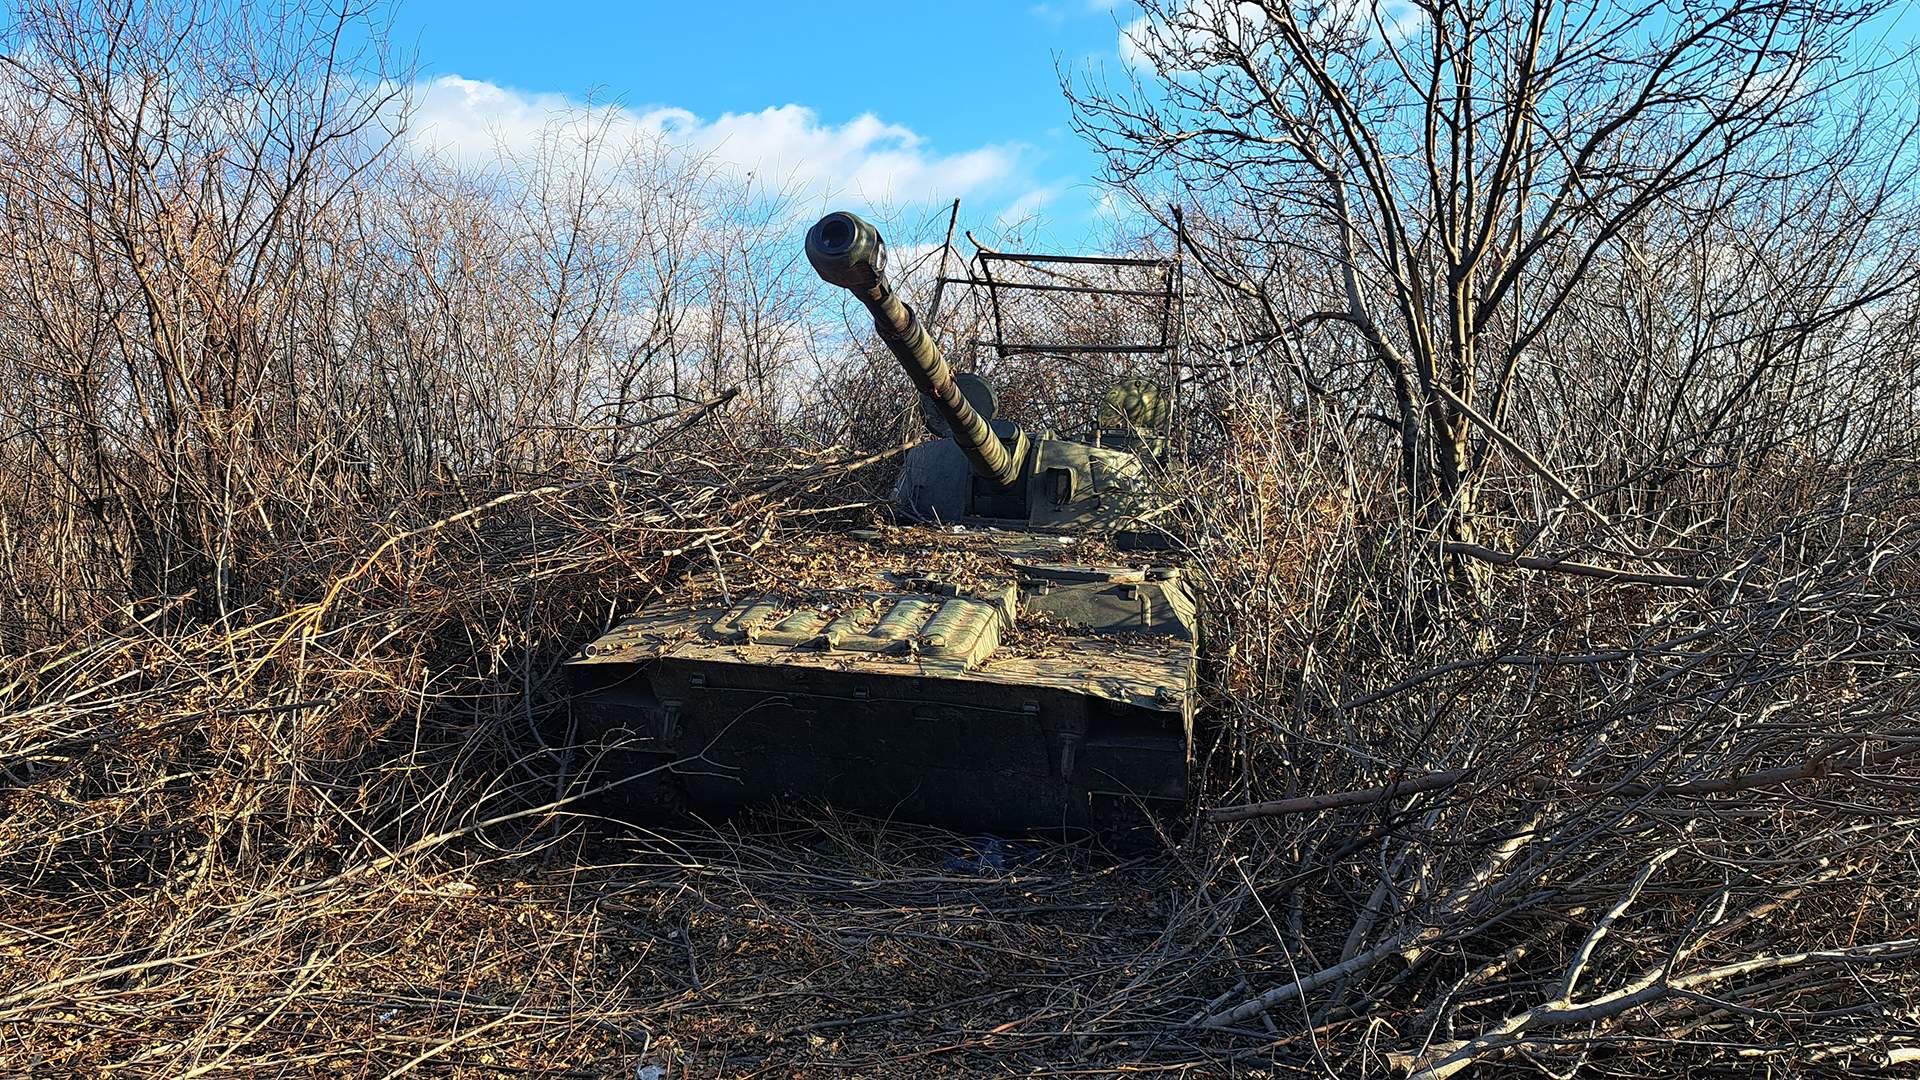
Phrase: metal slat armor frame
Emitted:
{"points": [[1083, 309]]}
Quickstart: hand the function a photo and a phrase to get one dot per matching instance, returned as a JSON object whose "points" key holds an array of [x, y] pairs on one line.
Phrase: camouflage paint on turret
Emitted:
{"points": [[848, 252]]}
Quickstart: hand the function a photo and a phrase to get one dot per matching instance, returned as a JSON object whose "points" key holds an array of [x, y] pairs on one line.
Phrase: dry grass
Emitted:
{"points": [[331, 841], [227, 848]]}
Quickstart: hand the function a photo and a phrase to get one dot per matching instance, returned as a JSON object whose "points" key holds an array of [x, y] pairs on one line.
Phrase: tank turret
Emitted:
{"points": [[983, 469], [848, 252]]}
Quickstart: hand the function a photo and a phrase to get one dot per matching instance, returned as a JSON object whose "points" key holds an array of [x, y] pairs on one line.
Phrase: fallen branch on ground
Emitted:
{"points": [[1308, 804]]}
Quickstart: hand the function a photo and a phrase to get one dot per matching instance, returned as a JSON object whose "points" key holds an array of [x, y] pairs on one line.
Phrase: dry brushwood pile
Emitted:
{"points": [[330, 840], [1637, 827]]}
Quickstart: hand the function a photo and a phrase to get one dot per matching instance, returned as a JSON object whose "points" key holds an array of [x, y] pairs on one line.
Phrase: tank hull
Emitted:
{"points": [[923, 749], [1029, 723]]}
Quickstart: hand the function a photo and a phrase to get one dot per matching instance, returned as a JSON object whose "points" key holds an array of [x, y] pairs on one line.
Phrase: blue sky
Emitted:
{"points": [[966, 96], [892, 110]]}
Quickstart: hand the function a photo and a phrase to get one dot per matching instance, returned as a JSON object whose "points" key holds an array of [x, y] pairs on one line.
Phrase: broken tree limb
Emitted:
{"points": [[1527, 458], [1444, 1060], [1411, 941], [1563, 566], [1308, 804], [1824, 761]]}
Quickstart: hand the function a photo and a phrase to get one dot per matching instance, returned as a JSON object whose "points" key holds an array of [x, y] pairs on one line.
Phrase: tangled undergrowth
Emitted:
{"points": [[1636, 826]]}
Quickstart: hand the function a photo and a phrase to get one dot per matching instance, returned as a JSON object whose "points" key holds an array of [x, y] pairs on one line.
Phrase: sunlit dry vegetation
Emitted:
{"points": [[1550, 406]]}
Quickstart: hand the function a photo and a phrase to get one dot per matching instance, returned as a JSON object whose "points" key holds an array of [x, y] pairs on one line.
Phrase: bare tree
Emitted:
{"points": [[1616, 300], [170, 171], [1423, 208], [243, 312]]}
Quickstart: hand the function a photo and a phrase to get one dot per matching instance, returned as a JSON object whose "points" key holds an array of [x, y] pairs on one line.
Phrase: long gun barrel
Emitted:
{"points": [[848, 252]]}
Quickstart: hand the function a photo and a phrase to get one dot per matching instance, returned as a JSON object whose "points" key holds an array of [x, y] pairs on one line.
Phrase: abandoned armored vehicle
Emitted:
{"points": [[1017, 653]]}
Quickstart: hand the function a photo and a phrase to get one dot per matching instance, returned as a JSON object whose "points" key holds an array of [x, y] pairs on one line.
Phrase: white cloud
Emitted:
{"points": [[786, 148], [1400, 19], [1049, 14], [1136, 38], [1030, 205]]}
